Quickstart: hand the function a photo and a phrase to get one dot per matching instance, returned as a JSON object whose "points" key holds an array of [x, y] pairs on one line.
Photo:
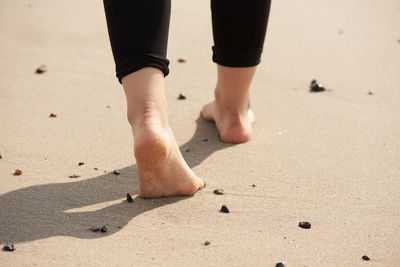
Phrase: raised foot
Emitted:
{"points": [[161, 169], [233, 127]]}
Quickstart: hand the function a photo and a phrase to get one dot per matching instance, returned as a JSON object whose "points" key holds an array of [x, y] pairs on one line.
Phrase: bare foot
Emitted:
{"points": [[161, 169], [231, 108], [233, 127]]}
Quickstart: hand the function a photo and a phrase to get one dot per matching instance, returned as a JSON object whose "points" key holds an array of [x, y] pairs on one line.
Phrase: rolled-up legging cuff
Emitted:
{"points": [[237, 57], [137, 62]]}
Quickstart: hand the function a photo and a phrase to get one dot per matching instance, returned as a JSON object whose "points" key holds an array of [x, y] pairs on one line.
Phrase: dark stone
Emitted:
{"points": [[280, 264], [187, 150], [205, 140], [41, 69], [9, 247], [366, 258], [1, 156], [219, 191], [81, 163], [96, 169], [224, 209], [103, 229], [74, 176], [181, 96], [129, 197], [17, 172], [95, 229], [370, 93], [253, 185], [181, 60], [305, 225], [207, 243], [116, 172], [316, 87], [53, 115]]}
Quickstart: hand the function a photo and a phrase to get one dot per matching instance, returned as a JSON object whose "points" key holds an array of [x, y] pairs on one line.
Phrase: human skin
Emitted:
{"points": [[162, 170]]}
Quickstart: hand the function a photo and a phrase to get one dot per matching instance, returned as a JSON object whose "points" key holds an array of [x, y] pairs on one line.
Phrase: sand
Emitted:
{"points": [[330, 158]]}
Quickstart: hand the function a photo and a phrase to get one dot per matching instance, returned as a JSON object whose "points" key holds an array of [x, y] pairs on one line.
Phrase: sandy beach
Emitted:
{"points": [[330, 158]]}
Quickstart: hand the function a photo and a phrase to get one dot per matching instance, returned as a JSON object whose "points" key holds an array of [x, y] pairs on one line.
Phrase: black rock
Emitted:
{"points": [[316, 87], [96, 169], [95, 229], [181, 60], [224, 209], [81, 163], [1, 156], [280, 264], [219, 191], [129, 197], [74, 176], [181, 96], [253, 185], [116, 172], [205, 140], [9, 247], [305, 225], [103, 229], [41, 69], [207, 243], [366, 258]]}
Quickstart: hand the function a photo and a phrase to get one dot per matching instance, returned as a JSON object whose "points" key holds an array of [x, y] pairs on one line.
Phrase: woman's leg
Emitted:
{"points": [[239, 29], [138, 33]]}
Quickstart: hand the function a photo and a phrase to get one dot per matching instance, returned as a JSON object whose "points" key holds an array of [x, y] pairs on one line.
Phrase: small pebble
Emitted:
{"points": [[81, 163], [207, 243], [52, 115], [181, 96], [129, 197], [103, 229], [18, 172], [95, 229], [116, 172], [224, 209], [316, 87], [370, 93], [219, 191], [96, 169], [1, 156], [108, 106], [9, 247], [253, 185], [187, 150], [181, 60], [366, 258], [41, 69], [280, 264], [205, 140], [74, 176], [305, 225]]}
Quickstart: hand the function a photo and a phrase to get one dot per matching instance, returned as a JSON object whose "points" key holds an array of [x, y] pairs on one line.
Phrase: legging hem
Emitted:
{"points": [[138, 62], [237, 58]]}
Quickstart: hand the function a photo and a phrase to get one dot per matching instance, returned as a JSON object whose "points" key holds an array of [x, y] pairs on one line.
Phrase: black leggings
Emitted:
{"points": [[138, 31]]}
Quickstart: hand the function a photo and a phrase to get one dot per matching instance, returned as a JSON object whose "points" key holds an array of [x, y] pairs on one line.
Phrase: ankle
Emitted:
{"points": [[230, 102]]}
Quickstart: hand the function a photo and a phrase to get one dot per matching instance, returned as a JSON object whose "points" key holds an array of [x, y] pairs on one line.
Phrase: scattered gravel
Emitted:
{"points": [[305, 225]]}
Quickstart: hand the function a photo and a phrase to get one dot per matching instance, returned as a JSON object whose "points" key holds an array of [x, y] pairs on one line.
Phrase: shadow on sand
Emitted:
{"points": [[40, 211]]}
